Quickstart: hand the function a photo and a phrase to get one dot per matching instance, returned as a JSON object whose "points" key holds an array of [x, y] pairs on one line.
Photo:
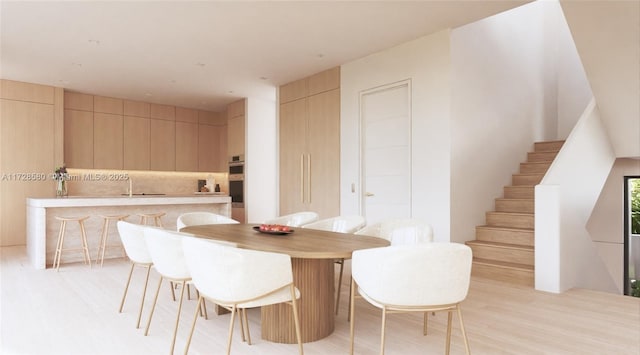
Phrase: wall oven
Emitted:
{"points": [[236, 181]]}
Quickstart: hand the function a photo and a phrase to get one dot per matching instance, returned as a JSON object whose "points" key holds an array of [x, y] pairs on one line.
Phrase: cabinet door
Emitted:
{"points": [[186, 146], [208, 147], [323, 147], [163, 145], [136, 143], [293, 122], [78, 143], [107, 141], [18, 120], [236, 135]]}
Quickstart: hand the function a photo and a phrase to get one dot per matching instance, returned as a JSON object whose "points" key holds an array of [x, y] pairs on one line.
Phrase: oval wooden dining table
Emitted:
{"points": [[313, 253]]}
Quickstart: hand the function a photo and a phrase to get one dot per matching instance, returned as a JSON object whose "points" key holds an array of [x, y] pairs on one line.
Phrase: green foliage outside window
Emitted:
{"points": [[635, 205]]}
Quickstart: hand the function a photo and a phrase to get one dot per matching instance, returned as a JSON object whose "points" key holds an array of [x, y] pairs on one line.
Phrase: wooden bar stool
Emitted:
{"points": [[60, 242], [156, 218], [105, 234]]}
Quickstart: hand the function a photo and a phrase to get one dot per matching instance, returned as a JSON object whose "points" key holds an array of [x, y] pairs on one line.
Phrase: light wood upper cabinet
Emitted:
{"points": [[186, 115], [78, 101], [136, 143], [186, 146], [163, 145], [208, 152], [136, 108], [78, 147], [108, 105], [323, 147], [163, 112], [235, 131], [108, 141], [294, 91], [108, 133], [310, 146], [293, 160], [324, 81]]}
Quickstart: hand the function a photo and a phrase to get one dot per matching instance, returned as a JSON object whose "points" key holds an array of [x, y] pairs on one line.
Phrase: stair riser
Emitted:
{"points": [[519, 192], [528, 180], [511, 221], [534, 168], [511, 255], [524, 206], [505, 236], [533, 157], [520, 277], [548, 146]]}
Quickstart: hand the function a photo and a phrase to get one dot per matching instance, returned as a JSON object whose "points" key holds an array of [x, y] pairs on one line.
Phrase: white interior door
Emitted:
{"points": [[385, 114]]}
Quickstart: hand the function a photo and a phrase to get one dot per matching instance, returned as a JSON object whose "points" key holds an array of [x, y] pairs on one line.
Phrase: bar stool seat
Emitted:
{"points": [[157, 221], [60, 242], [105, 235]]}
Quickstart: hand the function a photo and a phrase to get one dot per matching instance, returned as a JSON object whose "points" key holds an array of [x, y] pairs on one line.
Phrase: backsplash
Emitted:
{"points": [[93, 182]]}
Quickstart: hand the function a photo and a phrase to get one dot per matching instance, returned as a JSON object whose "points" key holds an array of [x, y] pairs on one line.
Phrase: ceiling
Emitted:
{"points": [[207, 54]]}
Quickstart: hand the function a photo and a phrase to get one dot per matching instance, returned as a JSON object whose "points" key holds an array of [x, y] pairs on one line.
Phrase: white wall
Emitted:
{"points": [[565, 255], [606, 223], [426, 62], [499, 108], [607, 35], [261, 190]]}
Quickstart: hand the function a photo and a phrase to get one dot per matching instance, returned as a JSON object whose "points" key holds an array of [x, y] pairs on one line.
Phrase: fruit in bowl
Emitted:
{"points": [[274, 228]]}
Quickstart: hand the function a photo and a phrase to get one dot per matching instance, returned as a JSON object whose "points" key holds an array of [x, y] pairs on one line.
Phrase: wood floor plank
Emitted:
{"points": [[75, 311]]}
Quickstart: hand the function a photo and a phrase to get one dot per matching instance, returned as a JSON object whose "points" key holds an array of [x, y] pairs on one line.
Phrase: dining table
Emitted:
{"points": [[313, 255]]}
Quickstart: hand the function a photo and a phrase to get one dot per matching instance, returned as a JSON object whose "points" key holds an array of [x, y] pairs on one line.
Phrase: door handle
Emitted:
{"points": [[369, 194]]}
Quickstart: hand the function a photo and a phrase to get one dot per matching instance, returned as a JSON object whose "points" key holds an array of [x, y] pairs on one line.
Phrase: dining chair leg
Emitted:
{"points": [[144, 294], [153, 307], [203, 307], [245, 325], [175, 330], [464, 333], [233, 317], [193, 325], [341, 262], [424, 323], [352, 295], [296, 320], [350, 303], [448, 344], [384, 323], [172, 286], [126, 288]]}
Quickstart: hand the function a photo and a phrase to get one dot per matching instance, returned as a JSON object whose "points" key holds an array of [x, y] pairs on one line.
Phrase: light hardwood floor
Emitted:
{"points": [[74, 311]]}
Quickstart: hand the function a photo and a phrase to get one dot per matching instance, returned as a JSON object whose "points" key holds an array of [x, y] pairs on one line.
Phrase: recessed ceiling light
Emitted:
{"points": [[264, 78], [147, 94], [76, 64], [63, 81], [230, 91], [94, 41], [320, 55], [200, 64], [173, 81]]}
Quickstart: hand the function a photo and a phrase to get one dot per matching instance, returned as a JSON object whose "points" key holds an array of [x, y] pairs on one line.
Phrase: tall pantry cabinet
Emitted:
{"points": [[310, 145]]}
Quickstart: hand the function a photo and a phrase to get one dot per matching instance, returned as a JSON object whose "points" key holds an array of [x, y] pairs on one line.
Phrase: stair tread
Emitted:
{"points": [[487, 226], [528, 174], [504, 264], [501, 245], [514, 199], [525, 214]]}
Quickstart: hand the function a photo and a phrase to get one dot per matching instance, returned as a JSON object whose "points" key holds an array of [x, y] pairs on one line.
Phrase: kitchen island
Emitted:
{"points": [[42, 227]]}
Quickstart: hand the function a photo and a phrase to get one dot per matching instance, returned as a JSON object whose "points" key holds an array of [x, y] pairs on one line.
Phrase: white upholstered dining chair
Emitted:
{"points": [[132, 237], [295, 219], [412, 278], [340, 224], [239, 279], [200, 218], [165, 249], [400, 231]]}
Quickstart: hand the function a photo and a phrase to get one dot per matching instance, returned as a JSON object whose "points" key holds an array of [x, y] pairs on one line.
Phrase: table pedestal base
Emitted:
{"points": [[315, 280]]}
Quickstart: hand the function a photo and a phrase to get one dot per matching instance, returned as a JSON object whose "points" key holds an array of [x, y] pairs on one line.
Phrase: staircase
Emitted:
{"points": [[504, 247]]}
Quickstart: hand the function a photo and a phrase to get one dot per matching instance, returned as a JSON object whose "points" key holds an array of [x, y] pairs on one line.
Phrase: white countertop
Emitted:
{"points": [[125, 200]]}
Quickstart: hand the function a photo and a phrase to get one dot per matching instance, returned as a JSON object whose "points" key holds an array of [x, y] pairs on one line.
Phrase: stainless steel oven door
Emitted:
{"points": [[236, 190]]}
